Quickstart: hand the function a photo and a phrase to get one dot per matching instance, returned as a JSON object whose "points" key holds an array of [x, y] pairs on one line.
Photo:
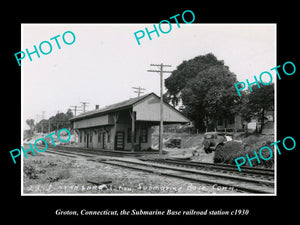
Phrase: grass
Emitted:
{"points": [[52, 174]]}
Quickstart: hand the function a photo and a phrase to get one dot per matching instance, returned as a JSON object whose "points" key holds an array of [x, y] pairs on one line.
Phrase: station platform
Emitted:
{"points": [[106, 151]]}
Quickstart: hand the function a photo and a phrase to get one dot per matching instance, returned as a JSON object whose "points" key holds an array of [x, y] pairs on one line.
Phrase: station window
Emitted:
{"points": [[99, 138], [91, 137], [80, 138], [144, 135]]}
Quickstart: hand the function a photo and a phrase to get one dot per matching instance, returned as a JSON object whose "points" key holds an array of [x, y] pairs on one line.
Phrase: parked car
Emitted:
{"points": [[173, 143], [215, 140]]}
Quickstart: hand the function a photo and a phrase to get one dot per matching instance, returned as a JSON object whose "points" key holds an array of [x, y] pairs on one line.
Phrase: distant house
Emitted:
{"points": [[236, 124], [230, 124], [125, 125], [268, 126]]}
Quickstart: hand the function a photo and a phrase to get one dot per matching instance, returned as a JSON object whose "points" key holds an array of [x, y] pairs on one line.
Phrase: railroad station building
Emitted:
{"points": [[115, 127]]}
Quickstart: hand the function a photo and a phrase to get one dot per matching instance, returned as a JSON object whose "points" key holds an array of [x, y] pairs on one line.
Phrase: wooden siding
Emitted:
{"points": [[127, 145], [98, 142], [93, 122], [149, 110]]}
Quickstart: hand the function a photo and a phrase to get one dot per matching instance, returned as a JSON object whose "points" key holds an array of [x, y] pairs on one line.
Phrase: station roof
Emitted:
{"points": [[115, 107]]}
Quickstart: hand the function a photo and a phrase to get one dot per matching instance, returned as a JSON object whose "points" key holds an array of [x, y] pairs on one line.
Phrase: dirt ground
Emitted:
{"points": [[194, 154], [52, 174]]}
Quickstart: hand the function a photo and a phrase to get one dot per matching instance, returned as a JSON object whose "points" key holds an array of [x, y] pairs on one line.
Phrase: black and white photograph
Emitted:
{"points": [[144, 112], [163, 117]]}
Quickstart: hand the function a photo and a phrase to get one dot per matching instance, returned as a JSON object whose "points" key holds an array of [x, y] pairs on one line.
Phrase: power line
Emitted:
{"points": [[84, 105], [75, 108], [161, 72], [138, 90]]}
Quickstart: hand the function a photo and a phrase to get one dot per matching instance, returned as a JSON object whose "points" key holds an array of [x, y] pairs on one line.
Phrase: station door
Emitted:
{"points": [[104, 140], [119, 140]]}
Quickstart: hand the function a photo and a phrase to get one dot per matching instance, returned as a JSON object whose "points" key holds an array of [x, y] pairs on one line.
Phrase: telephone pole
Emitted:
{"points": [[75, 108], [84, 104], [37, 118], [138, 90], [49, 125], [43, 116], [161, 129]]}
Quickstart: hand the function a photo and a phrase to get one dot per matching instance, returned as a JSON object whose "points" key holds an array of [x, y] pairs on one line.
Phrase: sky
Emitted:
{"points": [[105, 61]]}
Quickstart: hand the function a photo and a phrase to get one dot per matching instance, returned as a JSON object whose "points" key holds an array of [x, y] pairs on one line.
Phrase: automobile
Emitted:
{"points": [[173, 143], [214, 141]]}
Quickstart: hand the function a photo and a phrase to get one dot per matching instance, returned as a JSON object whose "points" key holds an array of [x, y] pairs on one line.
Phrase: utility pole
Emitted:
{"points": [[161, 72], [75, 108], [43, 116], [138, 90], [37, 118], [49, 125], [59, 122], [84, 104]]}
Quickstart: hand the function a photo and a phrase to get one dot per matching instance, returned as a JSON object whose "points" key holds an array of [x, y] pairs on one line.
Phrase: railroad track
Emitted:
{"points": [[260, 181], [99, 152], [239, 183], [263, 173]]}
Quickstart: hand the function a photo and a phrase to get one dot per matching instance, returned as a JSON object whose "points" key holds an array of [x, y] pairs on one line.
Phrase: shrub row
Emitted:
{"points": [[232, 150]]}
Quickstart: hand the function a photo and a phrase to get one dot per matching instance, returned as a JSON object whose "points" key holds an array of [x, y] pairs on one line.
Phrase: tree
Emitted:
{"points": [[186, 71], [41, 126], [255, 104], [60, 120], [29, 133], [242, 108], [30, 123], [259, 101], [205, 86]]}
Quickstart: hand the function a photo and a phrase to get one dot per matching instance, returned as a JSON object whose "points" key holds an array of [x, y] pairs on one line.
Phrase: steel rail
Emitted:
{"points": [[181, 170], [187, 177], [245, 171], [218, 175]]}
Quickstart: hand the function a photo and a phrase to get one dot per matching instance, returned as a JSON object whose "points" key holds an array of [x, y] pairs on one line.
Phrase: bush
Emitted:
{"points": [[232, 150], [228, 152], [30, 171], [63, 174]]}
